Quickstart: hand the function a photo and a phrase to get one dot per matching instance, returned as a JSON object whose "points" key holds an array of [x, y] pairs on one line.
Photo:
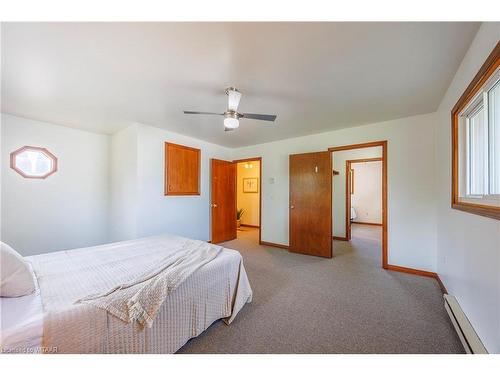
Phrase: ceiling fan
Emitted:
{"points": [[231, 115]]}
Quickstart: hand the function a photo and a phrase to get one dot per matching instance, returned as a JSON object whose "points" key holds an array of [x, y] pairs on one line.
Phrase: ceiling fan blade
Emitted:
{"points": [[256, 116], [202, 113], [234, 97]]}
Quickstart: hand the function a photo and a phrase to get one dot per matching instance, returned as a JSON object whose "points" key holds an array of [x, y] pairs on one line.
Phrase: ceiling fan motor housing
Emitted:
{"points": [[231, 88], [232, 114]]}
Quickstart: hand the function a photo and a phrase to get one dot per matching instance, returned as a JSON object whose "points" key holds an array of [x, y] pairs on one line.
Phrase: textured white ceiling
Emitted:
{"points": [[314, 76]]}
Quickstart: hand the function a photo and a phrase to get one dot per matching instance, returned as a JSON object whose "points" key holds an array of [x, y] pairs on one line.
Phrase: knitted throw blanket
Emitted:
{"points": [[141, 298]]}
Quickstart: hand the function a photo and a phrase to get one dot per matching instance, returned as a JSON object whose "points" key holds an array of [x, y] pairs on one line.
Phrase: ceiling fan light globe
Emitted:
{"points": [[231, 123]]}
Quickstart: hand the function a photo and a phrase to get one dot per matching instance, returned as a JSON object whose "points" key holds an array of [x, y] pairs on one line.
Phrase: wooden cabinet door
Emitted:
{"points": [[223, 204], [182, 170], [310, 210]]}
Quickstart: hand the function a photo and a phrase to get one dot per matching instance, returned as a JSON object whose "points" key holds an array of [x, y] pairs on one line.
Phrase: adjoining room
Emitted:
{"points": [[248, 195], [359, 200], [365, 198]]}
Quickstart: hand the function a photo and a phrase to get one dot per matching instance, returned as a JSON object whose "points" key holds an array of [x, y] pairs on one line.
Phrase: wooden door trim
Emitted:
{"points": [[383, 144], [365, 160], [348, 189], [347, 200], [357, 145], [259, 159]]}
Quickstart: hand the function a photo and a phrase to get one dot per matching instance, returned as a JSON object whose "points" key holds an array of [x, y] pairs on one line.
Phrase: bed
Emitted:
{"points": [[52, 321]]}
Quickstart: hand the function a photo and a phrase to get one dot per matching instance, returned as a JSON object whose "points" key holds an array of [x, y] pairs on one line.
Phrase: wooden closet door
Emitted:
{"points": [[223, 196], [310, 210]]}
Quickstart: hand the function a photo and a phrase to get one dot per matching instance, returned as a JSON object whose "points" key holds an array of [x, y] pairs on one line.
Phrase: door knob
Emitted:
{"points": [[292, 206], [214, 205]]}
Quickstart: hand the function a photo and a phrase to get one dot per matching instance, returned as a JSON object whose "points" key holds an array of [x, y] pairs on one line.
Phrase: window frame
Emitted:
{"points": [[50, 155], [465, 102], [470, 149]]}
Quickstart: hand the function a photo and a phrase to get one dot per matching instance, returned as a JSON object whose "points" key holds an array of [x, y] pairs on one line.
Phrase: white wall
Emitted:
{"points": [[468, 259], [69, 208], [339, 205], [182, 215], [248, 201], [411, 198], [107, 188], [123, 185], [367, 197]]}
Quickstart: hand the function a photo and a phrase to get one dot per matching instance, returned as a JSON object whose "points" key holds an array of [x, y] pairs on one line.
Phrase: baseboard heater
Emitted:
{"points": [[468, 336]]}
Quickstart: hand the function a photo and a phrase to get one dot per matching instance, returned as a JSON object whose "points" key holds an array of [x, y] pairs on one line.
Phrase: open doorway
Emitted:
{"points": [[248, 198], [360, 198], [364, 199]]}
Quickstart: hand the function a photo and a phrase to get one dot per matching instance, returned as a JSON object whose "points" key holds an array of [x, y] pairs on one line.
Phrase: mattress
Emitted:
{"points": [[51, 320]]}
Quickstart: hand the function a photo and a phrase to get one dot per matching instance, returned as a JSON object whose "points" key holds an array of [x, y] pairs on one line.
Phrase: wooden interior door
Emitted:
{"points": [[310, 211], [223, 196], [349, 180]]}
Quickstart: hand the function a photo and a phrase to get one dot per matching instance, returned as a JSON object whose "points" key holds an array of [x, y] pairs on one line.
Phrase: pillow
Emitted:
{"points": [[16, 277]]}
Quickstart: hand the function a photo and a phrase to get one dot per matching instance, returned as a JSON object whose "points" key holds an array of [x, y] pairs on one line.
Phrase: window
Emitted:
{"points": [[33, 162], [476, 143]]}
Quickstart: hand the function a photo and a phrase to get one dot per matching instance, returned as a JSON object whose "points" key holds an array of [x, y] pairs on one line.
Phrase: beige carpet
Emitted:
{"points": [[347, 304]]}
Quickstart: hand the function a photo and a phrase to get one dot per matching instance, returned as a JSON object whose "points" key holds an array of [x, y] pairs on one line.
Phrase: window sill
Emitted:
{"points": [[478, 209], [481, 200]]}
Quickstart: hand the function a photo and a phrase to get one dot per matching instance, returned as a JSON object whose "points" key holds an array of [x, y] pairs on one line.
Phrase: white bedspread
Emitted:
{"points": [[21, 323], [219, 289]]}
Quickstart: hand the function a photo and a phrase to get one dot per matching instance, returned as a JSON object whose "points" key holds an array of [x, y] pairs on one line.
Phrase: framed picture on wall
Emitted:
{"points": [[251, 185]]}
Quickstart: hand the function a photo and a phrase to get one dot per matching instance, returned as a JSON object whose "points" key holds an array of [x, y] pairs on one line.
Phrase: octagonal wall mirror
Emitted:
{"points": [[33, 162]]}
